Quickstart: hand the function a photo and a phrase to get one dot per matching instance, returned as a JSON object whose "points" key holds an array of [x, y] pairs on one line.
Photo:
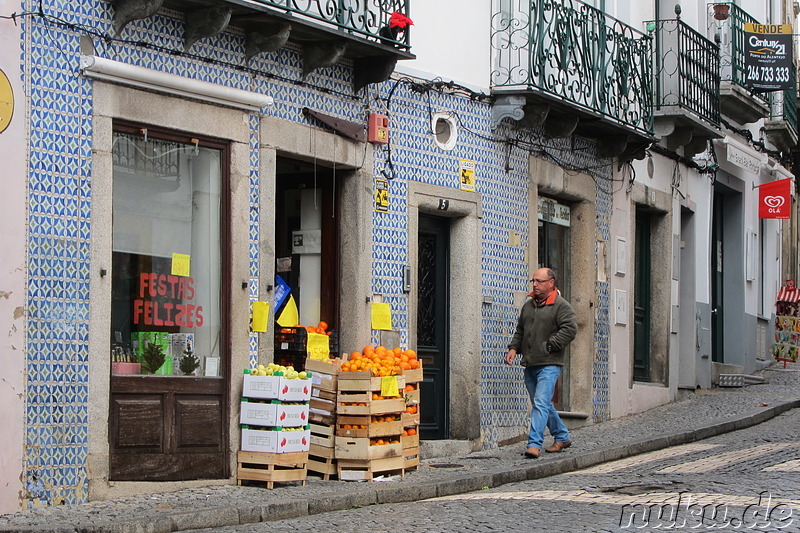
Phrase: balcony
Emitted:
{"points": [[781, 127], [687, 79], [569, 67], [327, 30], [726, 25]]}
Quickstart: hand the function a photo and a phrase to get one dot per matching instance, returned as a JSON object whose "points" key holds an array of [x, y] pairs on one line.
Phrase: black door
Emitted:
{"points": [[433, 325], [641, 300], [554, 249], [717, 250]]}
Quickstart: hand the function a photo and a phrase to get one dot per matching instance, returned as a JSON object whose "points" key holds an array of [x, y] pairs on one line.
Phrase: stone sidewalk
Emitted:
{"points": [[703, 414]]}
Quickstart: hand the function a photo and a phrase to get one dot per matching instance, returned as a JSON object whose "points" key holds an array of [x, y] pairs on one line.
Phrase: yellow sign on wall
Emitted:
{"points": [[6, 102], [381, 196], [467, 174]]}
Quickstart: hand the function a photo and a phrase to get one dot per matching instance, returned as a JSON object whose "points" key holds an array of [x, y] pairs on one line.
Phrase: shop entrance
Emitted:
{"points": [[169, 332], [554, 250], [307, 250], [433, 325]]}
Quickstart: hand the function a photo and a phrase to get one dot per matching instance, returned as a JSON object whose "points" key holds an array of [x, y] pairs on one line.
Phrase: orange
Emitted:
{"points": [[380, 350], [405, 433], [411, 354], [412, 432], [397, 351], [322, 325], [368, 350], [345, 367], [405, 366], [319, 331], [410, 387], [413, 364], [347, 426], [355, 356]]}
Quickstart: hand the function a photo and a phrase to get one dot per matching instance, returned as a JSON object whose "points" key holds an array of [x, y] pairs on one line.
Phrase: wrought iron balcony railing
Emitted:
{"points": [[365, 18], [783, 104], [727, 20], [573, 52], [687, 70]]}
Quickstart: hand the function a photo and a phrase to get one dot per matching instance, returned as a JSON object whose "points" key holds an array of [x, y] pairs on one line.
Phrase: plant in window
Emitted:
{"points": [[152, 358], [189, 362]]}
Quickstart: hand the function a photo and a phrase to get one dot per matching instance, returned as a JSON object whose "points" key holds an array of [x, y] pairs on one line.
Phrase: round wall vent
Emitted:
{"points": [[445, 130]]}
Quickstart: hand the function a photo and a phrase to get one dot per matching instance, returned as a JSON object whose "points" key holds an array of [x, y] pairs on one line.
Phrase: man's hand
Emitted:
{"points": [[510, 356]]}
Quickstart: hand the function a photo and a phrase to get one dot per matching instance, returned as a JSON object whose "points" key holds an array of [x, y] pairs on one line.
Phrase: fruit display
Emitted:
{"points": [[381, 361], [273, 369]]}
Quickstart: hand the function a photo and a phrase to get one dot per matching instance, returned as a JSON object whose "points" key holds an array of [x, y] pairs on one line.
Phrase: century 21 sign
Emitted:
{"points": [[768, 57]]}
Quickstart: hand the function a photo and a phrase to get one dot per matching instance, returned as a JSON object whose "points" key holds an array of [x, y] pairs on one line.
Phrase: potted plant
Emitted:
{"points": [[152, 358], [189, 362]]}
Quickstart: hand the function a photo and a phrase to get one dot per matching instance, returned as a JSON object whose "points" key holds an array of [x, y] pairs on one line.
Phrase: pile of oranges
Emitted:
{"points": [[320, 328], [381, 361], [383, 440]]}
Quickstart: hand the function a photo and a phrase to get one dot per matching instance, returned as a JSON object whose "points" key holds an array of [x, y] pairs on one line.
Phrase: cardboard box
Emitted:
{"points": [[275, 441], [258, 414], [294, 390], [359, 448], [262, 387], [273, 414]]}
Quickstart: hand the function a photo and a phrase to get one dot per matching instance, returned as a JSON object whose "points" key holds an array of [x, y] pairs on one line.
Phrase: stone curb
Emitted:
{"points": [[363, 495]]}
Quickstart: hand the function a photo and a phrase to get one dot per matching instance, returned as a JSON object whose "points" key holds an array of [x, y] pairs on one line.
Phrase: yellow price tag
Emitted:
{"points": [[389, 387], [318, 346], [181, 264]]}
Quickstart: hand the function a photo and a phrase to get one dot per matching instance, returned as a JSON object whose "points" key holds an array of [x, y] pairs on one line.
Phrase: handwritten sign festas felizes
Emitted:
{"points": [[163, 312]]}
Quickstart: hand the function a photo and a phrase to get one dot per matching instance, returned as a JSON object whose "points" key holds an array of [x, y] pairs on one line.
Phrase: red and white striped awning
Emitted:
{"points": [[787, 294]]}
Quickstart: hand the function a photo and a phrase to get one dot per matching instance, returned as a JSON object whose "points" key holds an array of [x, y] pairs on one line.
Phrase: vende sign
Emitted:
{"points": [[775, 199]]}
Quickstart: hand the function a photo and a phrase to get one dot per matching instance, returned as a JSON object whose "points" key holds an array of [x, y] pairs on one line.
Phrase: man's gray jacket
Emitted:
{"points": [[542, 325]]}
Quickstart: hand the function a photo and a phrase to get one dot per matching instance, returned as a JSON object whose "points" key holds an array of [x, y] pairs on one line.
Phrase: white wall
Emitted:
{"points": [[12, 273], [451, 41]]}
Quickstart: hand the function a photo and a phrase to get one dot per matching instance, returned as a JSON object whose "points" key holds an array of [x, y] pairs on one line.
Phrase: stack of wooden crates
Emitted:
{"points": [[275, 432], [322, 416], [376, 429]]}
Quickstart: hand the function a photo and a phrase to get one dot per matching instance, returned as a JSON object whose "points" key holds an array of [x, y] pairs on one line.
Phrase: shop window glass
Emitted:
{"points": [[166, 257]]}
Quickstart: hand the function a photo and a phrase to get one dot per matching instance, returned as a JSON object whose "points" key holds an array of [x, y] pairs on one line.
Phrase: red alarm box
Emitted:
{"points": [[378, 131]]}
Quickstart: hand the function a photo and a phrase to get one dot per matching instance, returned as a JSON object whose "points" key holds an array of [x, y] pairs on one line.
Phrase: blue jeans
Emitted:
{"points": [[541, 383]]}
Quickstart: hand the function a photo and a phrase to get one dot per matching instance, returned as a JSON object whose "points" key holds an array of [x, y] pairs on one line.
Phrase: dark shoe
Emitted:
{"points": [[558, 446], [531, 453]]}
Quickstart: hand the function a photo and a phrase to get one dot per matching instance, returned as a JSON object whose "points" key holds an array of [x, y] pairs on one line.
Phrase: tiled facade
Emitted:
{"points": [[60, 214]]}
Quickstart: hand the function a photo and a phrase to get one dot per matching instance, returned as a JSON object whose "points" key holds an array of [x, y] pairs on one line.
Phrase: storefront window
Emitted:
{"points": [[166, 257]]}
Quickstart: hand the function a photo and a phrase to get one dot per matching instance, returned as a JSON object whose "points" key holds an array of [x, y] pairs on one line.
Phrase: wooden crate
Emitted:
{"points": [[322, 461], [372, 407], [413, 376], [272, 467], [368, 427], [411, 458], [359, 448], [361, 383], [322, 435], [410, 420], [358, 470], [410, 441]]}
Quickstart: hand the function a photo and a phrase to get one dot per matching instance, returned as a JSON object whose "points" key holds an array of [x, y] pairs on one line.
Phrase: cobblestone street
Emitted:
{"points": [[744, 480]]}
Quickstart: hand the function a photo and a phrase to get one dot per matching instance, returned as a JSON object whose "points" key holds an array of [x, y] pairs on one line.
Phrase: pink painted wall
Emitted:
{"points": [[12, 272]]}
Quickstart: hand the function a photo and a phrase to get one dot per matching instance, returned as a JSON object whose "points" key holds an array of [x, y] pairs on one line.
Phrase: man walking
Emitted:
{"points": [[545, 327]]}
